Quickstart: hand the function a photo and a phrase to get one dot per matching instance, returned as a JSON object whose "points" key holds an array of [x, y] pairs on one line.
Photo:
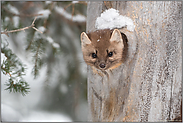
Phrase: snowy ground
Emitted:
{"points": [[15, 107], [9, 114]]}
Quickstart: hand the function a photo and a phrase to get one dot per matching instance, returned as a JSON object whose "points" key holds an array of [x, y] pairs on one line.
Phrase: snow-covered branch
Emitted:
{"points": [[16, 13], [74, 18]]}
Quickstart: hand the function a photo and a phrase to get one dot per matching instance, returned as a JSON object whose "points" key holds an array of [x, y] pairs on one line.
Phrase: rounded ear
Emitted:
{"points": [[116, 36], [84, 39]]}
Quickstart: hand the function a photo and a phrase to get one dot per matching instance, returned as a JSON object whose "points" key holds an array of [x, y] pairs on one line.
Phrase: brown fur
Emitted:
{"points": [[101, 47]]}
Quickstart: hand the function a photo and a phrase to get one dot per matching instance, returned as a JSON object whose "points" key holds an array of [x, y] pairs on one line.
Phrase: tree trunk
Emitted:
{"points": [[147, 86]]}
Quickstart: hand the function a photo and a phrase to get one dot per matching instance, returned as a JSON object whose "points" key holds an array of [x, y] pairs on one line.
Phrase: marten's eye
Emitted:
{"points": [[110, 54], [94, 55]]}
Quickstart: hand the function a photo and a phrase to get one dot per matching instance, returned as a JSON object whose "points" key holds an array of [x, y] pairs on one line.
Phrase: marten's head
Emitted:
{"points": [[102, 49]]}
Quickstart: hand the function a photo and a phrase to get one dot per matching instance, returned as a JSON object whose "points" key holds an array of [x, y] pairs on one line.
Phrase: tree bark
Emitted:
{"points": [[147, 87]]}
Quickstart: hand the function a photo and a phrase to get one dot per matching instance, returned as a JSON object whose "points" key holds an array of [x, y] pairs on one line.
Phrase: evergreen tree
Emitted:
{"points": [[52, 31]]}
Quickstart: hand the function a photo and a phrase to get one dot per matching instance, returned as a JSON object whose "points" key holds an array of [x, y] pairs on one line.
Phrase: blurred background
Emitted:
{"points": [[43, 75]]}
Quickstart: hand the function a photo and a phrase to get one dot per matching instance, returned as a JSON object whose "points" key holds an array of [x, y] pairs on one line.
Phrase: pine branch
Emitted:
{"points": [[21, 86], [36, 59], [13, 67], [36, 64], [22, 29]]}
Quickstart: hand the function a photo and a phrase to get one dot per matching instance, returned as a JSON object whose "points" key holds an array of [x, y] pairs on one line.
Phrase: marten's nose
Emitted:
{"points": [[102, 65]]}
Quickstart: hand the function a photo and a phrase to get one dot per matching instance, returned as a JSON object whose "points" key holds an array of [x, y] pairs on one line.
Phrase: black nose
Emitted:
{"points": [[102, 65]]}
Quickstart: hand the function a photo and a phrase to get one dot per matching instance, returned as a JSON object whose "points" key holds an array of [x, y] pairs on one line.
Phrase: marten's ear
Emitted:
{"points": [[84, 39], [116, 36]]}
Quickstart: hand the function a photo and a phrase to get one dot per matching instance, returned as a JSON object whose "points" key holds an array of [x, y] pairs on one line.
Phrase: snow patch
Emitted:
{"points": [[43, 116], [49, 39], [75, 18], [13, 9], [3, 58], [9, 113], [7, 19], [38, 35], [111, 19], [42, 29], [74, 2], [63, 88], [79, 18], [45, 13], [56, 45], [48, 2], [16, 21]]}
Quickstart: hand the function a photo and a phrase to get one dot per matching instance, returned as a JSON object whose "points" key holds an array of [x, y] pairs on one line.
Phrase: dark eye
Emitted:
{"points": [[110, 54], [94, 55]]}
